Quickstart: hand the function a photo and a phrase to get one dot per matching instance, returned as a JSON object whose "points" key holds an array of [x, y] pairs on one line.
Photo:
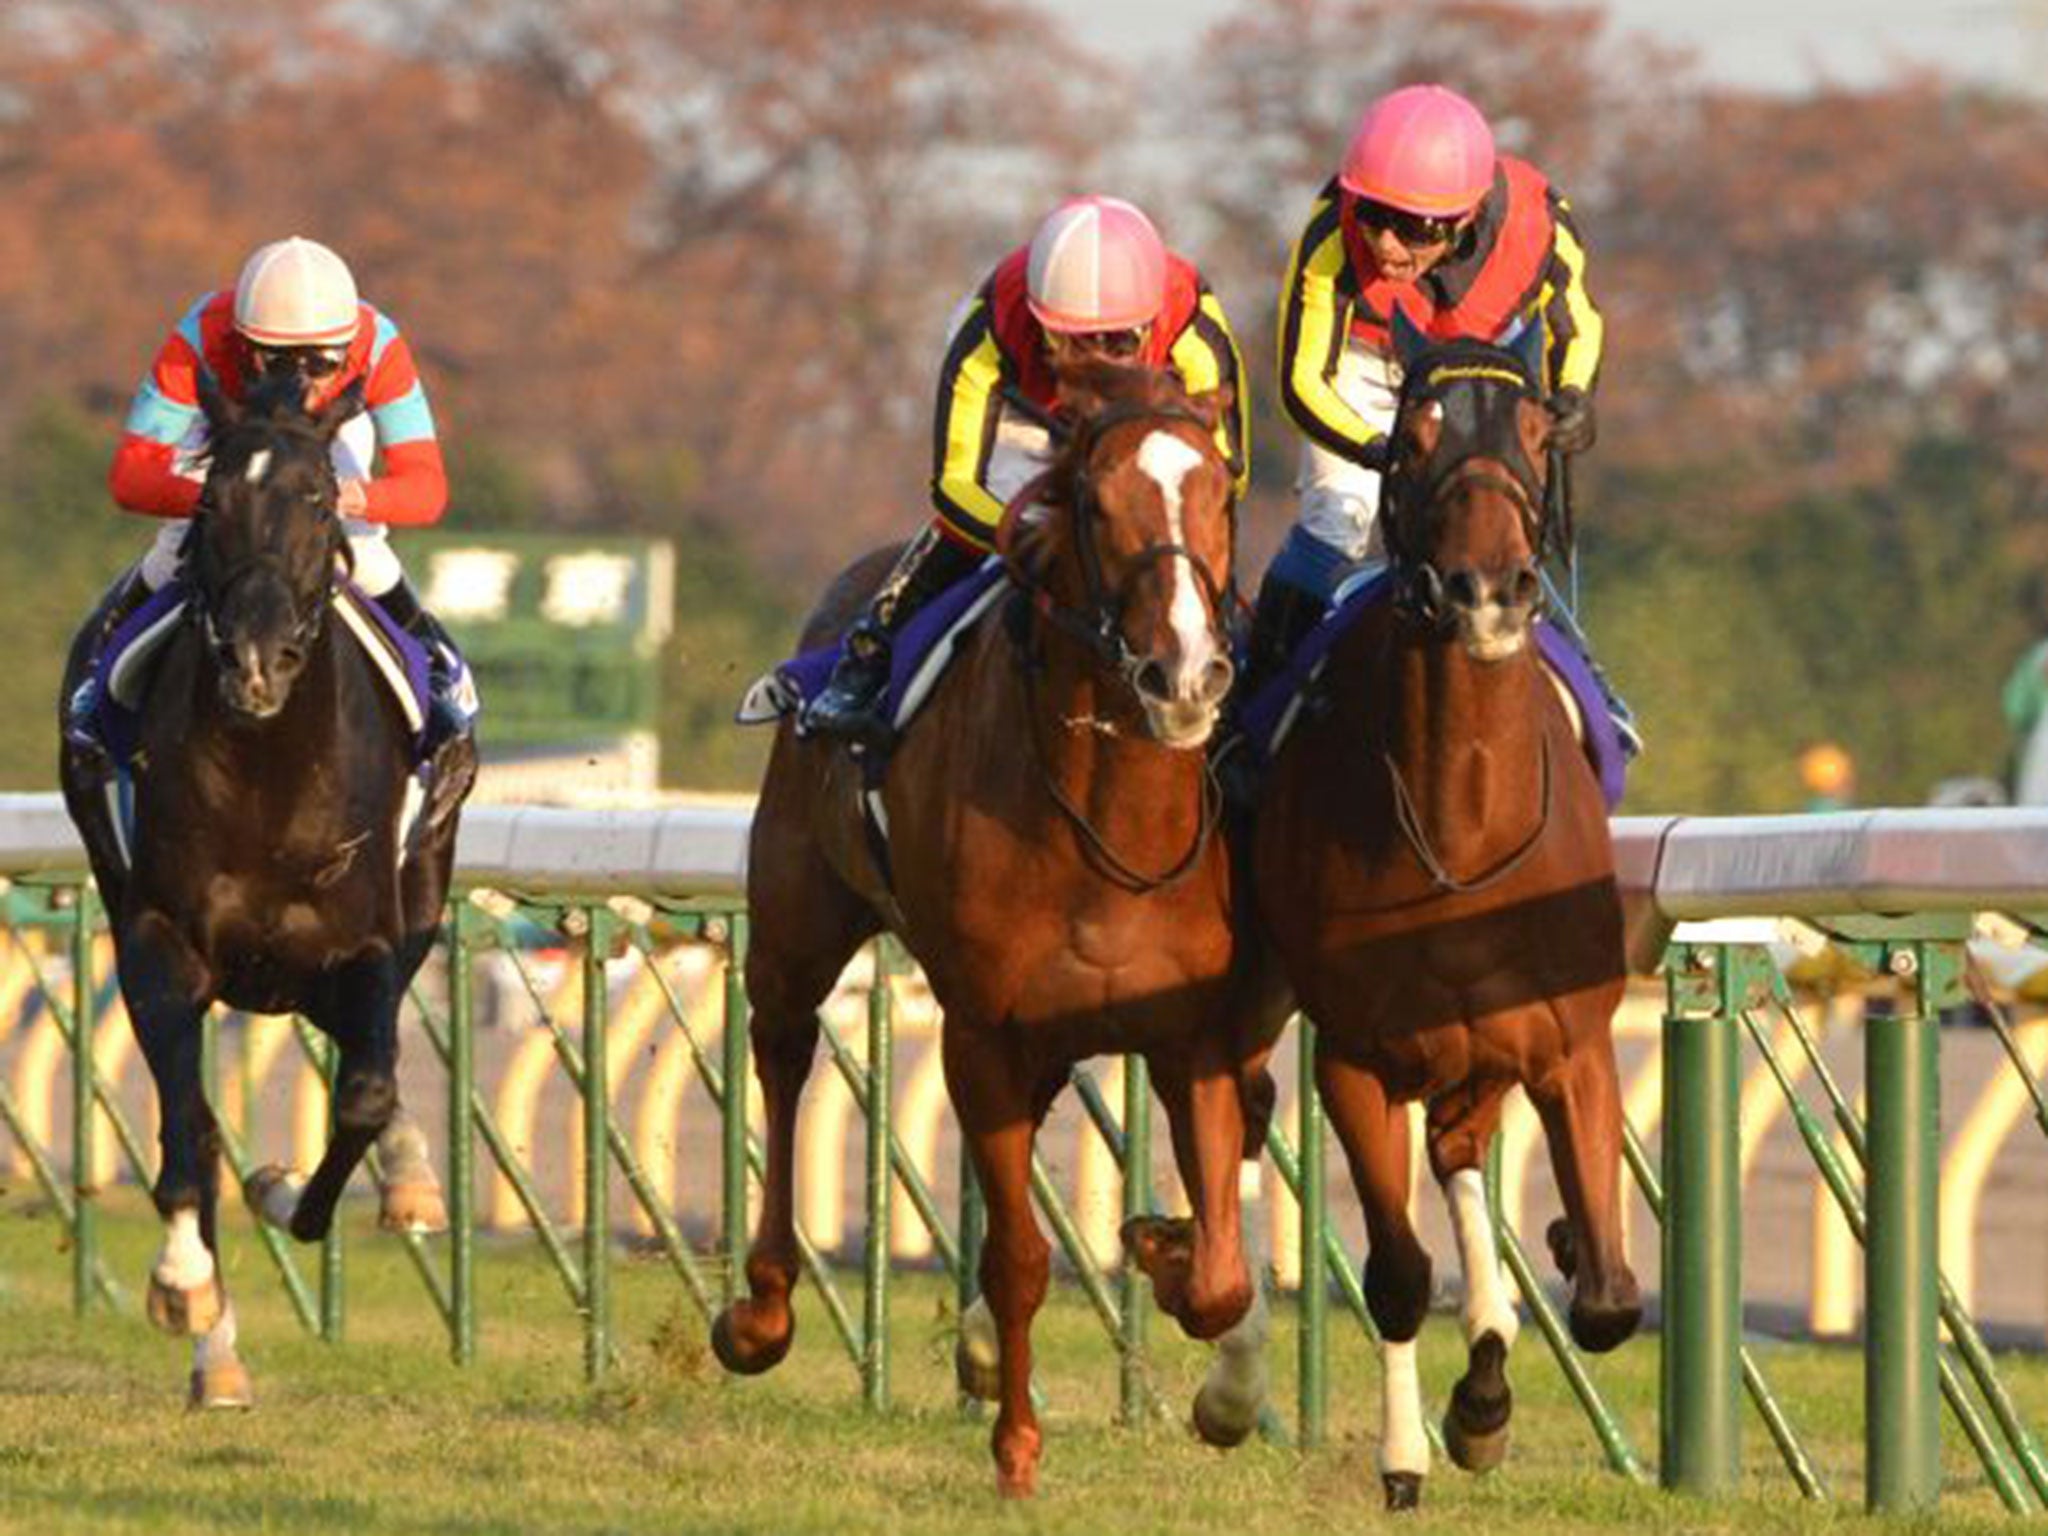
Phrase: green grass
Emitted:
{"points": [[381, 1434]]}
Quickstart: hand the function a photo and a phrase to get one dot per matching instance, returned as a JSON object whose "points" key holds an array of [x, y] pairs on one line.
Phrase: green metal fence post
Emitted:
{"points": [[333, 1263], [733, 1046], [1700, 1367], [1137, 1130], [461, 1137], [874, 1366], [1902, 1394], [85, 1196], [597, 1165], [1313, 1343]]}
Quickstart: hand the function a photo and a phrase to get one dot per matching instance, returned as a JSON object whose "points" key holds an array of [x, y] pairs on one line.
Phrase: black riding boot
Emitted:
{"points": [[1281, 620], [81, 710], [849, 706]]}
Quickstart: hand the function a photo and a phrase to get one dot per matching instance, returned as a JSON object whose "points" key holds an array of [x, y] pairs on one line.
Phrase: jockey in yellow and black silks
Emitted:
{"points": [[1095, 280], [1470, 244]]}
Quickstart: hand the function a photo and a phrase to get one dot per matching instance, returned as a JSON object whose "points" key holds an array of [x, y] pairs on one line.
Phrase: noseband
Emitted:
{"points": [[307, 619]]}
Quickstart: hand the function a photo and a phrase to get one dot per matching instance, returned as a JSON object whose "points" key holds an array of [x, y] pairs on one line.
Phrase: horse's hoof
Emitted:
{"points": [[225, 1385], [185, 1313], [1223, 1425], [1021, 1484], [979, 1374], [1403, 1489], [415, 1206], [1476, 1423], [1016, 1462], [1152, 1242], [272, 1195], [746, 1352], [1597, 1329]]}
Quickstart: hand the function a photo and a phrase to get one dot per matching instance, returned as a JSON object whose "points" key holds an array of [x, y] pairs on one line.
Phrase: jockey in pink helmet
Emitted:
{"points": [[1095, 280], [294, 309], [1426, 214]]}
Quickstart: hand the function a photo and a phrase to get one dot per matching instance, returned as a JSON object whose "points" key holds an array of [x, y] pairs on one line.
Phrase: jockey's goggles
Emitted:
{"points": [[306, 362], [1417, 231], [1124, 345]]}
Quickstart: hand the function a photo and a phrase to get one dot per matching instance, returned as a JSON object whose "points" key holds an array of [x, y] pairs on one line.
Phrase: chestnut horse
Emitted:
{"points": [[1433, 865], [1054, 865]]}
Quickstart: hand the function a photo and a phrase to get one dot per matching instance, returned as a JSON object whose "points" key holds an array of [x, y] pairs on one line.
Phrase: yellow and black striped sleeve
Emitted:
{"points": [[1205, 356], [1571, 321], [964, 432], [1315, 313]]}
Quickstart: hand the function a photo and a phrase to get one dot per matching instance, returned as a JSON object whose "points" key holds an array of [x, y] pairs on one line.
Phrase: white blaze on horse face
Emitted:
{"points": [[259, 466], [183, 1263], [1167, 459]]}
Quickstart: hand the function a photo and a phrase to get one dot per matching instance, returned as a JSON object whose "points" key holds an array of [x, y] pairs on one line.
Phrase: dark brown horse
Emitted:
{"points": [[270, 866], [1051, 828], [1433, 864]]}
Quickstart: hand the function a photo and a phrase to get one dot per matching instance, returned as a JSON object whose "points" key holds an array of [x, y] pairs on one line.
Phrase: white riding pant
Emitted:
{"points": [[377, 568], [1339, 501]]}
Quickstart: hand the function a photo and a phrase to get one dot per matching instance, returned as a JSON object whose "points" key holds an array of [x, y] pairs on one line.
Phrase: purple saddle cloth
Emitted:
{"points": [[805, 675], [1263, 715]]}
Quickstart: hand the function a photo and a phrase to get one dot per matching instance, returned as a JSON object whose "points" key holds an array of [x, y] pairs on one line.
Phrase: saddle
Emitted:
{"points": [[1266, 718]]}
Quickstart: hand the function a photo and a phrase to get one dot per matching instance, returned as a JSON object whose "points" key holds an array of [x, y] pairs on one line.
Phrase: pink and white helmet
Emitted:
{"points": [[1096, 264], [296, 293], [1422, 148]]}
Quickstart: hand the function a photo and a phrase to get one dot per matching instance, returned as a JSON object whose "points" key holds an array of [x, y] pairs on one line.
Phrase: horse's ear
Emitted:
{"points": [[327, 421], [1527, 347], [1409, 342]]}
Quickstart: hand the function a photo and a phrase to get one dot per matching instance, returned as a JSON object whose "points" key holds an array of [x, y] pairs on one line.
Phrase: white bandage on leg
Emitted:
{"points": [[1404, 1442], [183, 1264], [217, 1345], [1489, 1307], [1339, 499]]}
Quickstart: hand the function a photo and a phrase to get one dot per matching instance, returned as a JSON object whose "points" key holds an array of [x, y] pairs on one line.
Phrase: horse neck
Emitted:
{"points": [[1467, 739]]}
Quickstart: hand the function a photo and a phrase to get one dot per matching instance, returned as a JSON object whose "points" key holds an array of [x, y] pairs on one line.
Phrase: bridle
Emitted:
{"points": [[1411, 498], [213, 594], [1097, 624]]}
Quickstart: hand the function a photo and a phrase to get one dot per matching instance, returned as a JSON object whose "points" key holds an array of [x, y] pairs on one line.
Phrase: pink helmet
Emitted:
{"points": [[1422, 148], [296, 293], [1097, 264]]}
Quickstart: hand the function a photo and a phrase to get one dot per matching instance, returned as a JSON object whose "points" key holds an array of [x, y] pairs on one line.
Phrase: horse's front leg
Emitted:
{"points": [[991, 1099], [357, 1008], [1374, 1134], [1580, 1106], [1198, 1272], [165, 986]]}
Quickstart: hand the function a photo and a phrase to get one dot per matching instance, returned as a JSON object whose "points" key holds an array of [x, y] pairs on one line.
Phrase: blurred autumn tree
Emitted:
{"points": [[680, 267]]}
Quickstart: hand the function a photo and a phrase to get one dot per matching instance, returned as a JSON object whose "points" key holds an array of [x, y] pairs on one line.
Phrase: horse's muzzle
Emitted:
{"points": [[1183, 701], [1492, 611]]}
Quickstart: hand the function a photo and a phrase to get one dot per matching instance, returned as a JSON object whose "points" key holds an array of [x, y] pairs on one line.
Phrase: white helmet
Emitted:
{"points": [[296, 293], [1096, 264]]}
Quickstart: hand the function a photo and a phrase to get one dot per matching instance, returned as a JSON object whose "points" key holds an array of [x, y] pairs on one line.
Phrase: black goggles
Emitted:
{"points": [[1121, 345], [1414, 230], [306, 362]]}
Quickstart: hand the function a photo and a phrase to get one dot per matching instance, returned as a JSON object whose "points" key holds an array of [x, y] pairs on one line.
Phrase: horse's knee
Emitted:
{"points": [[366, 1101], [1397, 1278]]}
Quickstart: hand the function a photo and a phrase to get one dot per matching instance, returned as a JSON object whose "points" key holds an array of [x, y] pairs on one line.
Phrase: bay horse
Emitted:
{"points": [[1053, 865], [269, 865], [1432, 863]]}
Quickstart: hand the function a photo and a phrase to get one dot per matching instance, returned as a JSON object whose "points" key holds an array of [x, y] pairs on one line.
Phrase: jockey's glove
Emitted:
{"points": [[1572, 428], [1375, 454]]}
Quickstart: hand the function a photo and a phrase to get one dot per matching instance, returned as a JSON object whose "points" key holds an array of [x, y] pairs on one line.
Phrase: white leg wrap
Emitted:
{"points": [[978, 1335], [183, 1263], [1489, 1306], [216, 1347], [1404, 1442]]}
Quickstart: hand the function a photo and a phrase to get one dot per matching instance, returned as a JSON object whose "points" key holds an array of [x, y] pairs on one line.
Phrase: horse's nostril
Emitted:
{"points": [[1461, 589], [1217, 677], [1151, 680], [1526, 587]]}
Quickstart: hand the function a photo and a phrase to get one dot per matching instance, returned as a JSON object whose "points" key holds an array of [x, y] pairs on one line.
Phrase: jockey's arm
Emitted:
{"points": [[968, 407], [1313, 319], [1571, 321], [152, 473], [1205, 356], [412, 488]]}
